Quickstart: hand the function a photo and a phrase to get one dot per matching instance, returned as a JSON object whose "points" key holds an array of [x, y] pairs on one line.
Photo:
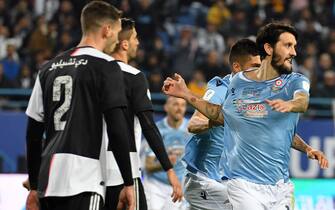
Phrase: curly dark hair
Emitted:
{"points": [[270, 34]]}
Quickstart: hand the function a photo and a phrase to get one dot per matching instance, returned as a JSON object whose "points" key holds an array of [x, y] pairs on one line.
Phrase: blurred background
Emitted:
{"points": [[192, 38]]}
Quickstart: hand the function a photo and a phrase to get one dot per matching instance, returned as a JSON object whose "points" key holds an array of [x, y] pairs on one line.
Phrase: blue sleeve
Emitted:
{"points": [[216, 91], [299, 84]]}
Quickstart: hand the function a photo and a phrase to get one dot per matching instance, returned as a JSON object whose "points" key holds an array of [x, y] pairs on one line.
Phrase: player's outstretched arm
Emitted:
{"points": [[298, 104], [299, 144], [177, 87]]}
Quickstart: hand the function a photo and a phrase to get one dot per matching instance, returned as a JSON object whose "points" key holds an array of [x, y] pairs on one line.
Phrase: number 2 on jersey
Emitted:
{"points": [[67, 82]]}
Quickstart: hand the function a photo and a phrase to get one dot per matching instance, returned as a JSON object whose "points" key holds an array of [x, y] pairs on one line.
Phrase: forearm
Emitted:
{"points": [[299, 103], [211, 111], [34, 137], [198, 125], [119, 137], [299, 144], [154, 138]]}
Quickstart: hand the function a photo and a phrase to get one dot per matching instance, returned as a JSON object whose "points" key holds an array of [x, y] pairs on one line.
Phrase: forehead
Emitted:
{"points": [[287, 37], [252, 61]]}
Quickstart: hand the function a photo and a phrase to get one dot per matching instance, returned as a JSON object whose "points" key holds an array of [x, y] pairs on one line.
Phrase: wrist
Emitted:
{"points": [[308, 149]]}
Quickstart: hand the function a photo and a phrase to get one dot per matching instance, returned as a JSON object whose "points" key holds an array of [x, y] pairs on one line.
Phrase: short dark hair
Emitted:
{"points": [[95, 13], [241, 51], [270, 34], [127, 25]]}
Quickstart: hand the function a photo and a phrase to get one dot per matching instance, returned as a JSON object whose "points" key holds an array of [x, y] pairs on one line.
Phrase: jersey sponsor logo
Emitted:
{"points": [[71, 62], [208, 95], [248, 108], [251, 93]]}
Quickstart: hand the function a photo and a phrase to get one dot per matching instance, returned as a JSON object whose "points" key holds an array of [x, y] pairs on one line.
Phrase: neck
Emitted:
{"points": [[174, 123], [93, 41], [120, 55], [265, 71]]}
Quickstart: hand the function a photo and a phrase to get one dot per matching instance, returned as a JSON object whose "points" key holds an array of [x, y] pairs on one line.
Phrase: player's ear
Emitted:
{"points": [[236, 67], [268, 49], [105, 30], [124, 44]]}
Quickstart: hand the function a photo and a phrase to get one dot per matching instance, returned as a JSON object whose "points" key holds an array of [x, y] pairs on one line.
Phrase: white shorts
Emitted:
{"points": [[158, 196], [205, 193], [247, 195]]}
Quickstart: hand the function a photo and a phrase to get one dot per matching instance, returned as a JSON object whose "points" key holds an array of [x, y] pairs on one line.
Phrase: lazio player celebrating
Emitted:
{"points": [[261, 114]]}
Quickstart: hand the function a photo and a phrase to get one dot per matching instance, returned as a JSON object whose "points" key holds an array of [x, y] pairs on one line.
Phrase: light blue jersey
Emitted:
{"points": [[257, 138], [174, 142], [203, 151]]}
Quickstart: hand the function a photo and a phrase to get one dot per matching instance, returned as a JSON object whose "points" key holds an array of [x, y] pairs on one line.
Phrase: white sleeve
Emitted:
{"points": [[35, 107]]}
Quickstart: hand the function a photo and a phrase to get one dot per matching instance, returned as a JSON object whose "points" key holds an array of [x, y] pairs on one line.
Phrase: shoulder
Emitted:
{"points": [[127, 68], [218, 81], [294, 76], [92, 52]]}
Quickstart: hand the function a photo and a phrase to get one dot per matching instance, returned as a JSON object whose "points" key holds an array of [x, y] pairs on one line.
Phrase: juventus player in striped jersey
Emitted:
{"points": [[75, 95], [141, 114]]}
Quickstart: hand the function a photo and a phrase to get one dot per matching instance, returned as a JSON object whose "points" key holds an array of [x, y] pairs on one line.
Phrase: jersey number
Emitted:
{"points": [[67, 82]]}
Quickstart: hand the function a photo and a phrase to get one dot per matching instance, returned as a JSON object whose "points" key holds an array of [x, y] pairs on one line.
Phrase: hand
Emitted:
{"points": [[175, 87], [177, 193], [318, 155], [126, 198], [26, 184], [32, 202], [280, 105]]}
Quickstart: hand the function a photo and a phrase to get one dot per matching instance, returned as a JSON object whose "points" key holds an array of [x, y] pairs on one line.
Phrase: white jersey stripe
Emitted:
{"points": [[127, 68], [92, 52], [91, 201]]}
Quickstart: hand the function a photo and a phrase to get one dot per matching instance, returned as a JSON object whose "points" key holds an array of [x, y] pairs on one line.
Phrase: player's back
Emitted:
{"points": [[73, 87], [203, 151], [257, 138], [138, 99]]}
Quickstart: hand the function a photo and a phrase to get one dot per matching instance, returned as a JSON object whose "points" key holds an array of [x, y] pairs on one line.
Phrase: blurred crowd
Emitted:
{"points": [[189, 37]]}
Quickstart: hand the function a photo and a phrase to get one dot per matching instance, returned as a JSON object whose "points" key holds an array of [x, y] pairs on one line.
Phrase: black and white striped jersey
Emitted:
{"points": [[139, 99], [70, 95]]}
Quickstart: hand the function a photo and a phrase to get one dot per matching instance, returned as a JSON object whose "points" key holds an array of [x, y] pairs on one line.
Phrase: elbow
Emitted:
{"points": [[304, 108], [190, 128]]}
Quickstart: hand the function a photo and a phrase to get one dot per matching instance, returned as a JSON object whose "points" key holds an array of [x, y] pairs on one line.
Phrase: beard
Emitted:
{"points": [[280, 68]]}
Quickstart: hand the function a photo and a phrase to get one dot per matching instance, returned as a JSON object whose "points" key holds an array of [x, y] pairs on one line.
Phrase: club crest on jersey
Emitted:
{"points": [[277, 85]]}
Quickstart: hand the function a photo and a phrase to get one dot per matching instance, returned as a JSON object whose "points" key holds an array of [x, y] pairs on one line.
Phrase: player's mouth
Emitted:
{"points": [[289, 60]]}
